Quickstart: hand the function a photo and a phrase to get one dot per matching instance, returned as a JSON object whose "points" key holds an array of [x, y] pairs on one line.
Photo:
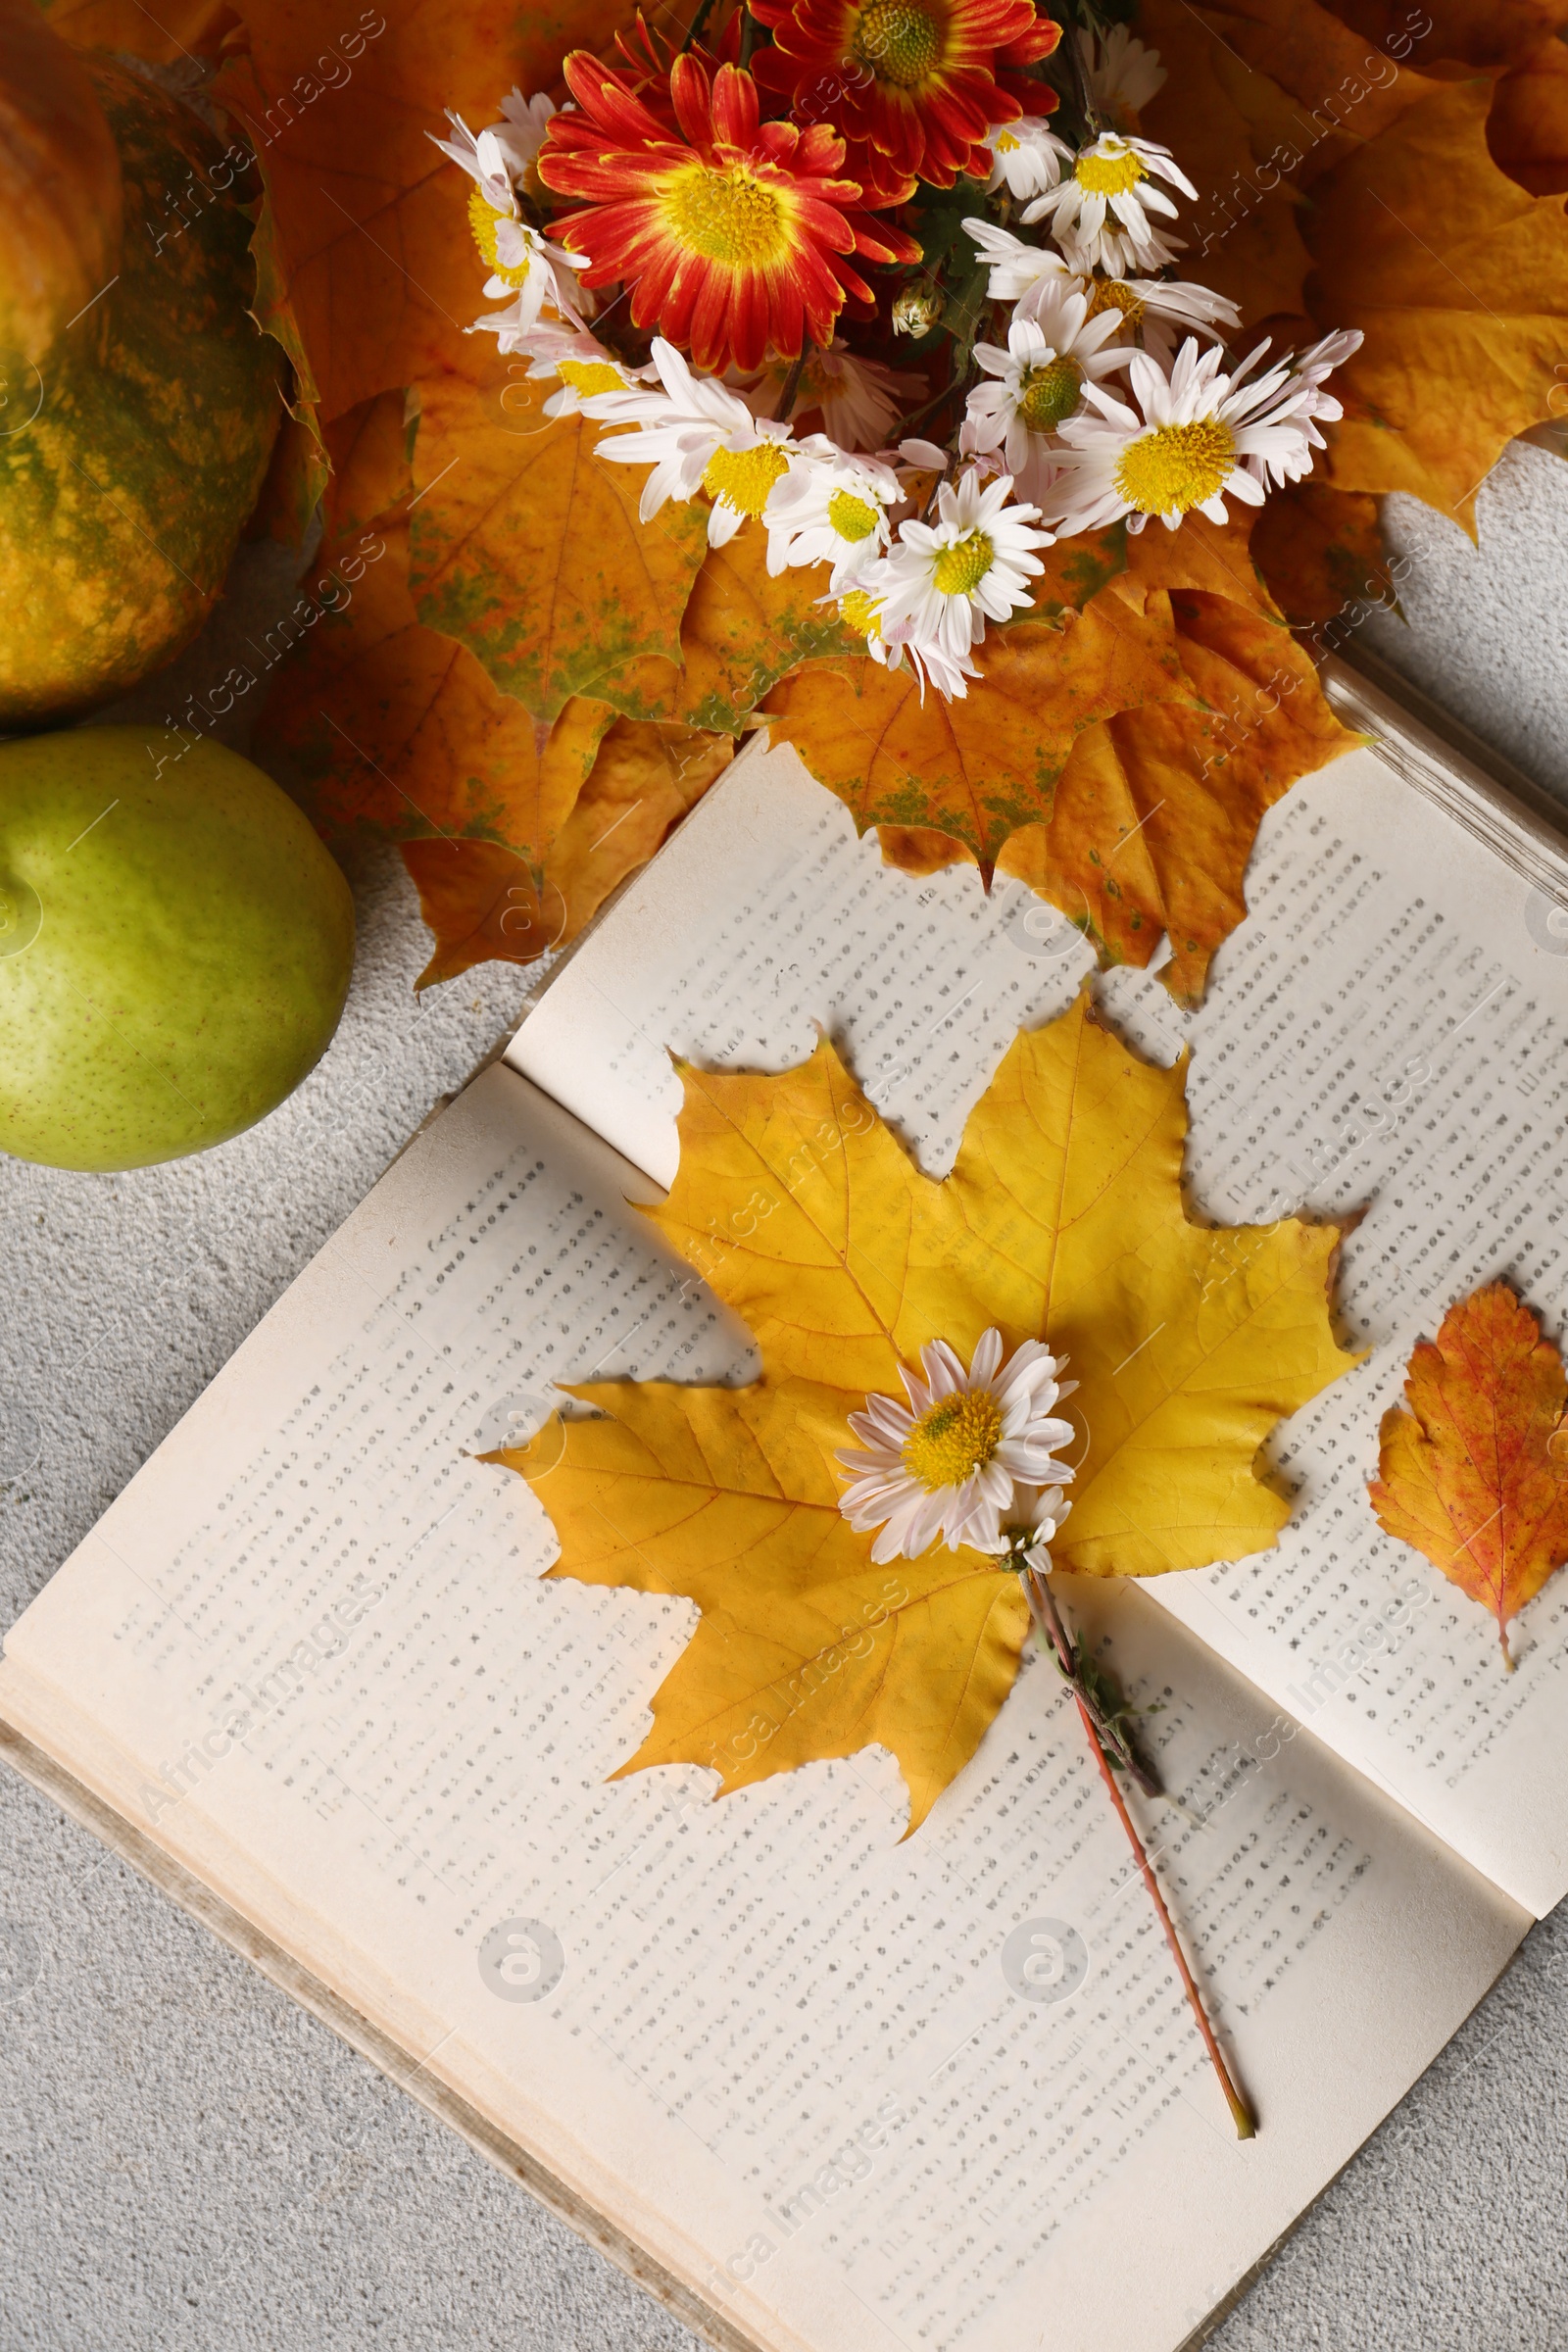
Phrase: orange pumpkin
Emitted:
{"points": [[140, 400]]}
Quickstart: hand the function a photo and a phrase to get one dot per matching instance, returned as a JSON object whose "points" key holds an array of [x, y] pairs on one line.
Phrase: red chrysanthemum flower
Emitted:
{"points": [[732, 235], [916, 78]]}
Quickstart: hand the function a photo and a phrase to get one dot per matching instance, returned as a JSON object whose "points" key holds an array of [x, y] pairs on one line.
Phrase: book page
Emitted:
{"points": [[1384, 1034], [858, 2093]]}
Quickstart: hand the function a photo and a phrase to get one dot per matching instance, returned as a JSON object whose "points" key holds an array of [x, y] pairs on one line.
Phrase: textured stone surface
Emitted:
{"points": [[186, 2160]]}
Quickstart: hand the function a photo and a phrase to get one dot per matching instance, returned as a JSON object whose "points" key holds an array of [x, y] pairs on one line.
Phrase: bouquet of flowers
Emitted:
{"points": [[897, 280]]}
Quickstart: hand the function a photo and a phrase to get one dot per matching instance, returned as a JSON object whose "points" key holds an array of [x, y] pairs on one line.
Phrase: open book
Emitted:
{"points": [[822, 2089]]}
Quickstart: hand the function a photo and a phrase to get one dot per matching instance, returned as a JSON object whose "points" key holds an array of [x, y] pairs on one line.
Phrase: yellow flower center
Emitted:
{"points": [[899, 41], [484, 221], [1176, 467], [1112, 294], [589, 376], [1109, 174], [725, 214], [851, 516], [1004, 144], [743, 477], [1047, 395], [960, 568], [952, 1438], [858, 612]]}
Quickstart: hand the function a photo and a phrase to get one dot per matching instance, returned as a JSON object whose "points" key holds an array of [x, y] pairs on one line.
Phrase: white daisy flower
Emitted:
{"points": [[532, 272], [1026, 157], [697, 436], [483, 158], [520, 133], [931, 666], [830, 509], [859, 399], [500, 157], [1038, 381], [950, 1463], [1015, 266], [941, 582], [1163, 310], [1123, 73], [1038, 1512], [1196, 436], [580, 364], [1102, 214]]}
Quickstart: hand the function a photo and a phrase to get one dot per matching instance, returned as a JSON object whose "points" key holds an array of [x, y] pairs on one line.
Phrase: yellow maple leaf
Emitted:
{"points": [[1063, 1218]]}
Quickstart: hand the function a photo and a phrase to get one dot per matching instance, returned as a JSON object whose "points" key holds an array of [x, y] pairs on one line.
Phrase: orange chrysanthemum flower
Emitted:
{"points": [[733, 234], [916, 78]]}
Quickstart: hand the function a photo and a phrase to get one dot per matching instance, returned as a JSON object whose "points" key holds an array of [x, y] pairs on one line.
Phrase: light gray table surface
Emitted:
{"points": [[188, 2161]]}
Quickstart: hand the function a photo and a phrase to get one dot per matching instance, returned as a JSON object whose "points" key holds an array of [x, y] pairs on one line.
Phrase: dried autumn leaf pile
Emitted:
{"points": [[1188, 1342], [529, 686]]}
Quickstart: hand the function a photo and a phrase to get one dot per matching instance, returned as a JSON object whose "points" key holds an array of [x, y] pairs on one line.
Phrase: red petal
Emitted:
{"points": [[694, 112], [736, 112]]}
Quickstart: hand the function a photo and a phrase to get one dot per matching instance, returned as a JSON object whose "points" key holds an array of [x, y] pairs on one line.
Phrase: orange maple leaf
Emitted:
{"points": [[1527, 128], [1475, 1475], [1459, 278], [531, 553], [1476, 32], [389, 724], [978, 767], [369, 219], [485, 905], [1154, 815], [1320, 550], [181, 29]]}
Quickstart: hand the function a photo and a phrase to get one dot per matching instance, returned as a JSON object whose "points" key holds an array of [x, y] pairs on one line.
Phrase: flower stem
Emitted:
{"points": [[698, 26], [792, 382], [1093, 1689], [1240, 2113]]}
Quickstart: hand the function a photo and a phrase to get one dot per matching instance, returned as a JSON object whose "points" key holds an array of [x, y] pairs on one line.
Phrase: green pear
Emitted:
{"points": [[176, 946]]}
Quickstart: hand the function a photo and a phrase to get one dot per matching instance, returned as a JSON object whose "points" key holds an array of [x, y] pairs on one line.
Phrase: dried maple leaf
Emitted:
{"points": [[1063, 1216], [1320, 550], [1527, 127], [484, 904], [646, 775], [531, 553], [979, 768], [1212, 559], [1303, 83], [1478, 33], [370, 221], [1459, 278], [181, 29], [388, 724], [1475, 1475], [742, 630], [1244, 230], [1156, 812]]}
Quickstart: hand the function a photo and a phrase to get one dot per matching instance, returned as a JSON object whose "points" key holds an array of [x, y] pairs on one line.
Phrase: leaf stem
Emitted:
{"points": [[1240, 2113]]}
